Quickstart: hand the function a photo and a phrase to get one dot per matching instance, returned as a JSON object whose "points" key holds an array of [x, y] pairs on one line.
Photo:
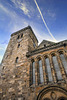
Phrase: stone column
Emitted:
{"points": [[44, 70], [65, 53], [61, 67], [52, 69], [36, 72], [65, 50]]}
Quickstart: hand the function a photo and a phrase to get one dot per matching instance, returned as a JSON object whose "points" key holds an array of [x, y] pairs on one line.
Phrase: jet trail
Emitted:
{"points": [[44, 21]]}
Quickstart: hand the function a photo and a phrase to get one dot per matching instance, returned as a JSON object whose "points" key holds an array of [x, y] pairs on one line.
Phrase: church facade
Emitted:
{"points": [[31, 71]]}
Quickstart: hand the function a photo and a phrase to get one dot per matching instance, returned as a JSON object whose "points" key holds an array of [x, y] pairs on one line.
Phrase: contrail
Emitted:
{"points": [[44, 21]]}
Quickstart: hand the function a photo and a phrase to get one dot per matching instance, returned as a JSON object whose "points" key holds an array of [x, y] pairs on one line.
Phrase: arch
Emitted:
{"points": [[32, 60], [39, 57], [51, 88], [46, 56], [53, 53], [60, 50]]}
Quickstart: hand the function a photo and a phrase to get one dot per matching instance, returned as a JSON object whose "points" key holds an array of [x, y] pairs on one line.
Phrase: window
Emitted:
{"points": [[64, 62], [48, 70], [33, 67], [17, 60], [18, 45], [18, 37], [57, 69], [21, 35], [44, 45], [34, 45], [40, 71]]}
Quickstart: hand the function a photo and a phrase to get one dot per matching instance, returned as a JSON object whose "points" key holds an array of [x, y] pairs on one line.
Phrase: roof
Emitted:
{"points": [[43, 49], [28, 27], [45, 43]]}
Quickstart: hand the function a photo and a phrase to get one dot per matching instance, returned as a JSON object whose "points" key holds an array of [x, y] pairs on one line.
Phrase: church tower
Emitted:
{"points": [[31, 71], [20, 43], [15, 64]]}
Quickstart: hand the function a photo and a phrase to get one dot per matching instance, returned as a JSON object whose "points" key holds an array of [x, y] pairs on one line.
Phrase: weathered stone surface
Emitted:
{"points": [[16, 81]]}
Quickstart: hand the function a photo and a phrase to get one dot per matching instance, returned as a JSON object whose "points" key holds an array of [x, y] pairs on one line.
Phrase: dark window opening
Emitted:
{"points": [[64, 44], [18, 45], [18, 37], [21, 35], [34, 45], [44, 45], [17, 60]]}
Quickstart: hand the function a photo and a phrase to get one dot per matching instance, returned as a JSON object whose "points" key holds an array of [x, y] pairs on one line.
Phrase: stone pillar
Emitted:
{"points": [[44, 70], [61, 67], [65, 53], [52, 69], [65, 50], [36, 74]]}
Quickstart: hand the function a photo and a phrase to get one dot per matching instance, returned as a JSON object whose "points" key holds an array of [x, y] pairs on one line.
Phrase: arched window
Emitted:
{"points": [[18, 37], [33, 71], [21, 35], [40, 71], [48, 69], [57, 69], [64, 62], [18, 45], [17, 60]]}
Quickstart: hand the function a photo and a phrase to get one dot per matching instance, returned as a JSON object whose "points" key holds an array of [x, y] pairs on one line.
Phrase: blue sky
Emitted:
{"points": [[17, 14]]}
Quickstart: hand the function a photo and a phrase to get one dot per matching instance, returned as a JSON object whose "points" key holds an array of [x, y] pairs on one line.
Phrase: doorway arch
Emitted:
{"points": [[52, 93]]}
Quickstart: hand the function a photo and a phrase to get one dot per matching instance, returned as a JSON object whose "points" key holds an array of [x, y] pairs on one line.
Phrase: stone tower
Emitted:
{"points": [[14, 63], [20, 43], [31, 71]]}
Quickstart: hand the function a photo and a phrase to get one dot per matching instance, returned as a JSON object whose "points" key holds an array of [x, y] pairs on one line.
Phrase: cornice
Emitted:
{"points": [[53, 46]]}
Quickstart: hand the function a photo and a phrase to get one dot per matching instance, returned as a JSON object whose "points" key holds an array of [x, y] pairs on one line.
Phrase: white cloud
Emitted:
{"points": [[51, 13], [16, 21], [25, 7]]}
